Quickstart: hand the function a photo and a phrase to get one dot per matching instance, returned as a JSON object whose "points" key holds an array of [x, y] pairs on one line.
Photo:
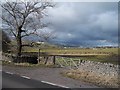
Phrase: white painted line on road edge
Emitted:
{"points": [[9, 73], [54, 84], [62, 86], [25, 77]]}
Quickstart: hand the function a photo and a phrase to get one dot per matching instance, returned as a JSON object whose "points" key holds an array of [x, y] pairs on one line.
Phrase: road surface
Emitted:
{"points": [[10, 80], [15, 82], [51, 75]]}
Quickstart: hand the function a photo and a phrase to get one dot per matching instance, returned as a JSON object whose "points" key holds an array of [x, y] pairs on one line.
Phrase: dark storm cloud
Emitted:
{"points": [[85, 23]]}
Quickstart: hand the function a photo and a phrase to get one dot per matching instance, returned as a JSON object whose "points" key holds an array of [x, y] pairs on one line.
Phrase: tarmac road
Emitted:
{"points": [[51, 75], [10, 80]]}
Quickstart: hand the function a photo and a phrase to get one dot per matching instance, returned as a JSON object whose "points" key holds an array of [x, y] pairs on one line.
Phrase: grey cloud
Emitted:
{"points": [[88, 22]]}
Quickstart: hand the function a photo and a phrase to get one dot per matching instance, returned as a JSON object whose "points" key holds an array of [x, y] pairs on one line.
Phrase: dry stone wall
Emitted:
{"points": [[105, 69]]}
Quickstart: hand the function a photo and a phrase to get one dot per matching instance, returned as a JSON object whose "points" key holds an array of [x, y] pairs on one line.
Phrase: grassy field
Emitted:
{"points": [[112, 58], [72, 50], [59, 50]]}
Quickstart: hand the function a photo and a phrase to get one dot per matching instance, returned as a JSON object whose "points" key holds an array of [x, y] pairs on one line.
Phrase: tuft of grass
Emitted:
{"points": [[28, 64]]}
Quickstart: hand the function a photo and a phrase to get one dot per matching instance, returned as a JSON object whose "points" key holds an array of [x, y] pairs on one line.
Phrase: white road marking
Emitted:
{"points": [[25, 77], [21, 76], [42, 81], [54, 84], [9, 73], [62, 86], [0, 70]]}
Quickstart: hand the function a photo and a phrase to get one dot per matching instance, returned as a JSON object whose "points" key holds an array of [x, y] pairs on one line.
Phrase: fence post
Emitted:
{"points": [[54, 60], [39, 56], [79, 63]]}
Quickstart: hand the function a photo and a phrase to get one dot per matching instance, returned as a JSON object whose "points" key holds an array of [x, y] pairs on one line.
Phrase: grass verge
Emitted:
{"points": [[27, 64], [99, 80]]}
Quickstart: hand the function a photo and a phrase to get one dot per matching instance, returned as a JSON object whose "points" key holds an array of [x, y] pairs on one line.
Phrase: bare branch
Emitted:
{"points": [[25, 19]]}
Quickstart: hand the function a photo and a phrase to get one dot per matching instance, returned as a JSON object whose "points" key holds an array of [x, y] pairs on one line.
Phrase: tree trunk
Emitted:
{"points": [[19, 43]]}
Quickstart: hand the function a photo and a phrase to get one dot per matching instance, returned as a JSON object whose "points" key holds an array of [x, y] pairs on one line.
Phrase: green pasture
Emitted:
{"points": [[71, 50], [112, 58]]}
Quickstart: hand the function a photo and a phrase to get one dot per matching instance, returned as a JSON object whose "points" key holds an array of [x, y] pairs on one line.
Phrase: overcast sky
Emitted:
{"points": [[84, 23]]}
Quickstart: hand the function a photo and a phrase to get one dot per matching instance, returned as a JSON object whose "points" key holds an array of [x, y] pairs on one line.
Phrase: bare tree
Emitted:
{"points": [[24, 19], [47, 36]]}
